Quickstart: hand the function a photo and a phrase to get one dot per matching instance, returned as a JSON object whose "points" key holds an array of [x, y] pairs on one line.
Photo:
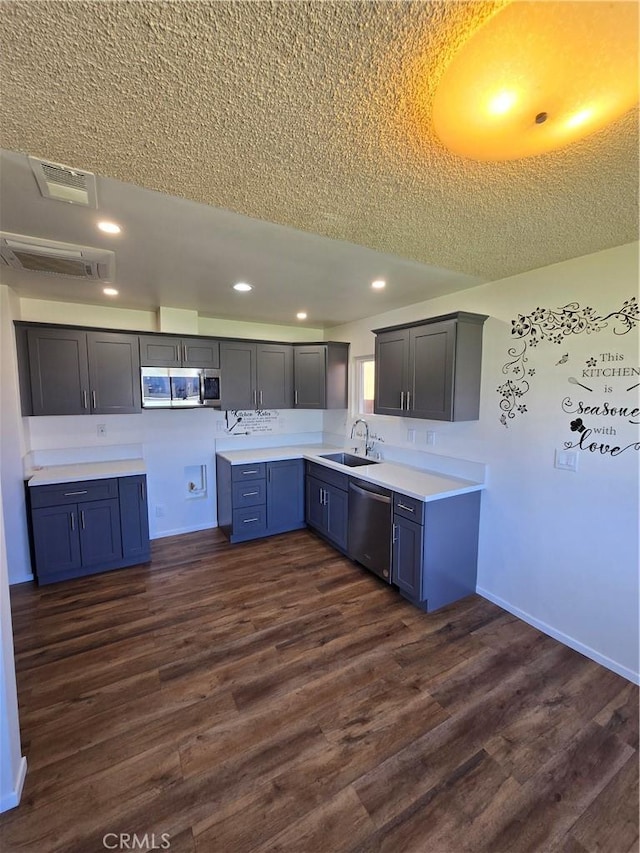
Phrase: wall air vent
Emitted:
{"points": [[63, 183], [49, 257]]}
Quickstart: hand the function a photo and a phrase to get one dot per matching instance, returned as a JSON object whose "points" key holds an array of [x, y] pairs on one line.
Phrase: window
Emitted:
{"points": [[365, 376]]}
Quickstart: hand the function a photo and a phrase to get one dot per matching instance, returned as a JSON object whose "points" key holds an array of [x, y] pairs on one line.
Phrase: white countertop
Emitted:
{"points": [[414, 482], [52, 474]]}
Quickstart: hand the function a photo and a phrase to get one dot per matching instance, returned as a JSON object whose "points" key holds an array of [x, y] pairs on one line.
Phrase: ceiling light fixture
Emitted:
{"points": [[242, 287], [301, 315], [109, 291], [538, 76], [109, 227], [378, 284]]}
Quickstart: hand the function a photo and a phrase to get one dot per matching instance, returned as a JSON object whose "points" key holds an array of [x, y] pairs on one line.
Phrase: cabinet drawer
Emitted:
{"points": [[256, 471], [328, 475], [249, 494], [251, 521], [73, 493], [407, 507]]}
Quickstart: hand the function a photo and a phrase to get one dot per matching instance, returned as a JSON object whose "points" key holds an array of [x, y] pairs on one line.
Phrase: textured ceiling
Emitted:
{"points": [[314, 115]]}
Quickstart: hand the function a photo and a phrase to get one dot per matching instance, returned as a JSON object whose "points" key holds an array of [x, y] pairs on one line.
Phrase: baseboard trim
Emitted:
{"points": [[179, 530], [11, 800], [574, 644]]}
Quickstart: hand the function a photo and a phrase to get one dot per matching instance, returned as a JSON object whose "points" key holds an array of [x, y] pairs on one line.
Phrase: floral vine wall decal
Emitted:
{"points": [[553, 325]]}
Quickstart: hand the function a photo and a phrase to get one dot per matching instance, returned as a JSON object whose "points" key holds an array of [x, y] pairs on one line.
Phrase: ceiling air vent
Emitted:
{"points": [[49, 257], [62, 183]]}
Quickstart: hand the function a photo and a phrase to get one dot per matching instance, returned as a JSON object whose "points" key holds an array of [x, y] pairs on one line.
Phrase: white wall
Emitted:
{"points": [[12, 765], [12, 447], [558, 548]]}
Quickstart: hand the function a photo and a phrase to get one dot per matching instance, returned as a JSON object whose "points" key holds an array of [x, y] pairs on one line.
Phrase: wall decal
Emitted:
{"points": [[249, 422], [556, 326]]}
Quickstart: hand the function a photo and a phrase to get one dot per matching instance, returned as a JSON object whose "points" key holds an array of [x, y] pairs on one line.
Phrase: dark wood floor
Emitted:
{"points": [[273, 696]]}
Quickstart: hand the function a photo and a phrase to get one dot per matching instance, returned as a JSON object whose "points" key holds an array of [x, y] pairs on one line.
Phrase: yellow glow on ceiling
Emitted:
{"points": [[539, 76]]}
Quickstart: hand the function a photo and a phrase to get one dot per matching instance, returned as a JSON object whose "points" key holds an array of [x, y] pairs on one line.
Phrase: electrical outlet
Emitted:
{"points": [[411, 435], [102, 430], [159, 511], [431, 437]]}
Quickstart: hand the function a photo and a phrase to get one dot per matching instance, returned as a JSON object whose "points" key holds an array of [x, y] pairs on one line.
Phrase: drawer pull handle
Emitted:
{"points": [[254, 471], [248, 494], [249, 520], [82, 492], [408, 508]]}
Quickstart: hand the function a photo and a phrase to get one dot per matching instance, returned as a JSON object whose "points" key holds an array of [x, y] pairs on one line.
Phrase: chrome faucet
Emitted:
{"points": [[368, 444]]}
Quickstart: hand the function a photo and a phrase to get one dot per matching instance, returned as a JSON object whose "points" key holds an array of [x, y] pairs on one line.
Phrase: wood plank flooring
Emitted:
{"points": [[273, 696]]}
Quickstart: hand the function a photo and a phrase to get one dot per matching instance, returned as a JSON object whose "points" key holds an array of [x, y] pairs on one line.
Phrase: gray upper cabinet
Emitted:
{"points": [[74, 372], [274, 376], [320, 375], [256, 375], [430, 370], [114, 373], [168, 351]]}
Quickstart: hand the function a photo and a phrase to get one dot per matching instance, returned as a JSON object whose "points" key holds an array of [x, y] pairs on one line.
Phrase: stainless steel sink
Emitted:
{"points": [[348, 459]]}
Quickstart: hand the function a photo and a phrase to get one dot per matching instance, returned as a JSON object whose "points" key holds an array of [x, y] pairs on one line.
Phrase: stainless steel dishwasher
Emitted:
{"points": [[369, 540]]}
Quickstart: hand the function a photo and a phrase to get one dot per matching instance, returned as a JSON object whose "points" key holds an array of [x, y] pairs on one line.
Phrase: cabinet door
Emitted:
{"points": [[201, 352], [310, 376], [56, 539], [316, 510], [406, 564], [274, 376], [431, 359], [285, 494], [337, 518], [58, 371], [134, 516], [114, 373], [160, 351], [391, 362], [100, 539], [238, 375]]}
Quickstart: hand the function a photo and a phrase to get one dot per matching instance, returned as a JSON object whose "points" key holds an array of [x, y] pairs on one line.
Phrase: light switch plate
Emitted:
{"points": [[566, 460]]}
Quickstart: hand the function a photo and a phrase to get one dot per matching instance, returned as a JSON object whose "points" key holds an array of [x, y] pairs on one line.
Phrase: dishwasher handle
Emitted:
{"points": [[370, 491]]}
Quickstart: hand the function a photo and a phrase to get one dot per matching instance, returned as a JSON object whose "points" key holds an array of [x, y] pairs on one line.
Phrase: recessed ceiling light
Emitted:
{"points": [[242, 286], [378, 284], [110, 291], [109, 227], [301, 315]]}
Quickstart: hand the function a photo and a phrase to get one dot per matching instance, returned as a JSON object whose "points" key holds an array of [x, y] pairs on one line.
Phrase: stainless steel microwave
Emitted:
{"points": [[180, 387]]}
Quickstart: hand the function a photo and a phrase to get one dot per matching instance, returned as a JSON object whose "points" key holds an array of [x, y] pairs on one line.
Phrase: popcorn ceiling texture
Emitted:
{"points": [[314, 115]]}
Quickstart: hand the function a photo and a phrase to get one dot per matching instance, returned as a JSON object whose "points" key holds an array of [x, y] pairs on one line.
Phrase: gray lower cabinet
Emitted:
{"points": [[327, 504], [256, 375], [86, 527], [260, 499], [75, 372], [320, 375], [435, 548], [430, 370], [171, 351]]}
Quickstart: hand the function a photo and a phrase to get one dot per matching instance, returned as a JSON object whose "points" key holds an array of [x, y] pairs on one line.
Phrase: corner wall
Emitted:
{"points": [[557, 548]]}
